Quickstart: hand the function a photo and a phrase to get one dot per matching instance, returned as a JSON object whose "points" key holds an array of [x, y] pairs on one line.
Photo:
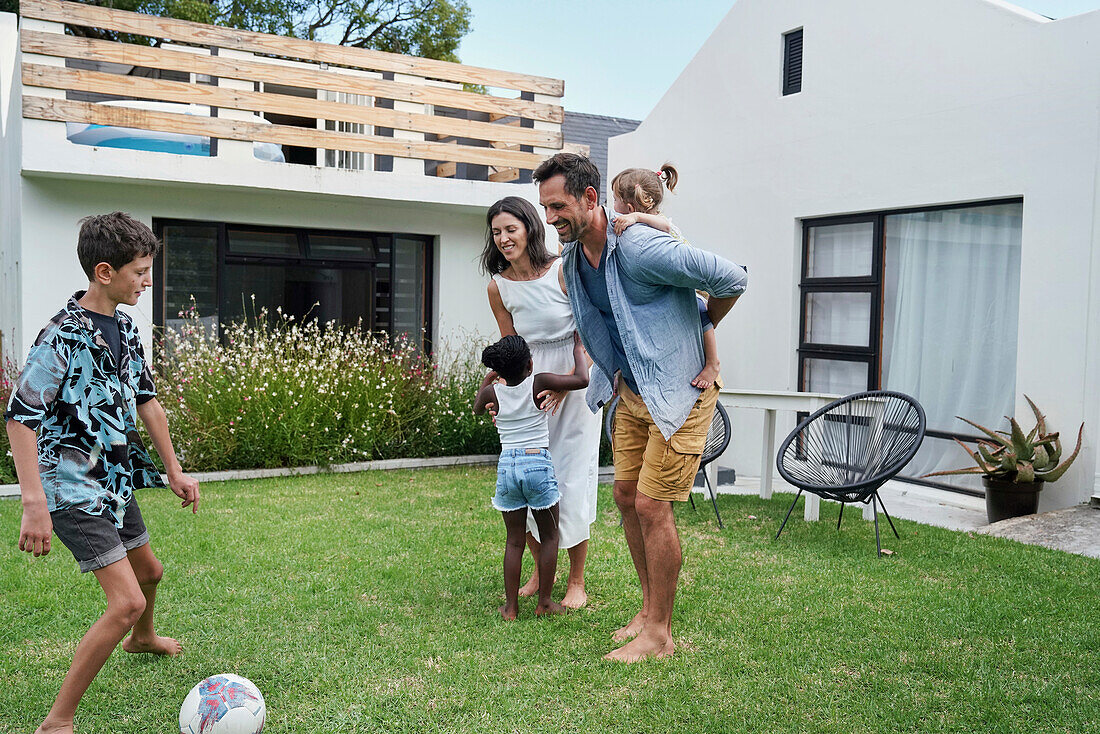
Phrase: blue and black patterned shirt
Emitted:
{"points": [[83, 406]]}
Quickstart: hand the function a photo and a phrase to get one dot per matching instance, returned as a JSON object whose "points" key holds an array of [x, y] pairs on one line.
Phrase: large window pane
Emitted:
{"points": [[327, 294], [950, 318], [838, 318], [409, 264], [190, 271], [378, 280], [840, 250], [834, 376]]}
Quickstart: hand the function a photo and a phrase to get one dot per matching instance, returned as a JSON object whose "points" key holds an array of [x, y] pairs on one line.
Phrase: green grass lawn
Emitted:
{"points": [[367, 603]]}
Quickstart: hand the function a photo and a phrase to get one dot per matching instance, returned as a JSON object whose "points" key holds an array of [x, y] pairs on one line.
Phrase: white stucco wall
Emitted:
{"points": [[52, 208], [10, 129], [903, 105]]}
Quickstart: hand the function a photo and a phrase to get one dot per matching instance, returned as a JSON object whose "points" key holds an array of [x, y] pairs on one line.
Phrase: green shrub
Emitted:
{"points": [[272, 392], [8, 373]]}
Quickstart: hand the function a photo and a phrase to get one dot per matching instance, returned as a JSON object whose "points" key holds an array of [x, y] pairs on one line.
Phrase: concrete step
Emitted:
{"points": [[1095, 500], [726, 475]]}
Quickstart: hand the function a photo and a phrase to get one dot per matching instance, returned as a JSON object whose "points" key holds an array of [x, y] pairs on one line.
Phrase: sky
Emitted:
{"points": [[631, 51]]}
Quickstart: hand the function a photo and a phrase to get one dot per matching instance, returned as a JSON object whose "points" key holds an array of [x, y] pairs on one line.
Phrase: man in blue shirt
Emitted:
{"points": [[633, 297]]}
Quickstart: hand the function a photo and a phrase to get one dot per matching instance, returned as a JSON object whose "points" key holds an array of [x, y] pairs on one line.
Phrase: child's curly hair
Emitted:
{"points": [[641, 188], [507, 357]]}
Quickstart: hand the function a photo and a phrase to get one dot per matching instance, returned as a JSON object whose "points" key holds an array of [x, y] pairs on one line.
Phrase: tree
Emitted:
{"points": [[427, 28]]}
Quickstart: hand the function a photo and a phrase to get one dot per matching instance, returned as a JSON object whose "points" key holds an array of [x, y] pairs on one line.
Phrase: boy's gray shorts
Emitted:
{"points": [[94, 540]]}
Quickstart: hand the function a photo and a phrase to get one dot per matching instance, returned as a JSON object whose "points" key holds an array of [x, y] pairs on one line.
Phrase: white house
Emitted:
{"points": [[914, 188], [362, 188]]}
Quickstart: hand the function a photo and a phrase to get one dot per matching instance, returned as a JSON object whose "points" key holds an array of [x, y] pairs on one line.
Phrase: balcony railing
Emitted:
{"points": [[344, 107]]}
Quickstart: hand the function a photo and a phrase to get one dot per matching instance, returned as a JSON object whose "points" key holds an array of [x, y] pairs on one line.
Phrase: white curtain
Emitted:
{"points": [[950, 320]]}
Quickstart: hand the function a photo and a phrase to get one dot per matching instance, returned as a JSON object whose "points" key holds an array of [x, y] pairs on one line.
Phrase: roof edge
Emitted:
{"points": [[1022, 12]]}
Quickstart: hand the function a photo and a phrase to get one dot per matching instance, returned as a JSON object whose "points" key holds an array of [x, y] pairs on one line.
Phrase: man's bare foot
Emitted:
{"points": [[531, 587], [706, 378], [632, 628], [46, 727], [551, 607], [641, 648], [158, 645], [575, 597], [508, 613]]}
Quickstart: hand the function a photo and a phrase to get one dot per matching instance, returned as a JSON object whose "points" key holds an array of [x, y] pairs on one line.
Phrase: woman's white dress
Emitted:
{"points": [[542, 316]]}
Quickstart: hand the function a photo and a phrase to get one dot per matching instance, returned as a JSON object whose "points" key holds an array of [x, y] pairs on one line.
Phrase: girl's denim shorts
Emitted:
{"points": [[525, 478]]}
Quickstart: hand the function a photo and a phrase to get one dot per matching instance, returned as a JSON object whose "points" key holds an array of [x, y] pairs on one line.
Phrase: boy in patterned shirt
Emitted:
{"points": [[78, 455]]}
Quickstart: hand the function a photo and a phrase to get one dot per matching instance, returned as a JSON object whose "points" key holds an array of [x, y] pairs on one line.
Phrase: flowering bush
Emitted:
{"points": [[7, 383], [273, 392]]}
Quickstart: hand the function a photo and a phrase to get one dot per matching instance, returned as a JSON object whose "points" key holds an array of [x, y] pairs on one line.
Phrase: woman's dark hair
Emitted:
{"points": [[492, 261], [509, 357]]}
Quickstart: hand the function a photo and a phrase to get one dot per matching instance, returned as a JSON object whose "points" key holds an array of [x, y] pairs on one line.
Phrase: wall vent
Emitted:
{"points": [[792, 62]]}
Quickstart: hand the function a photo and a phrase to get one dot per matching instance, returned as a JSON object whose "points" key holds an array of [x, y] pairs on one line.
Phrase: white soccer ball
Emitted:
{"points": [[223, 704]]}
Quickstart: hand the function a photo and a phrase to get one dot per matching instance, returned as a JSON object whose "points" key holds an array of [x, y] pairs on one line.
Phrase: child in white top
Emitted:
{"points": [[525, 473], [638, 194]]}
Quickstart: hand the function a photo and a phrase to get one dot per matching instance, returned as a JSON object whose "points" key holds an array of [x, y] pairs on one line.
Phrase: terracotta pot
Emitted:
{"points": [[1004, 499]]}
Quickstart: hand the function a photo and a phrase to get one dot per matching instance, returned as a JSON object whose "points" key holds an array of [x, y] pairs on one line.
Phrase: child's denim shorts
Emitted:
{"points": [[94, 540], [525, 478]]}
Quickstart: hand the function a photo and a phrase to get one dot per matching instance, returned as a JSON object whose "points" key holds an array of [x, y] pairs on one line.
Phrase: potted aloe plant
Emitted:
{"points": [[1014, 465]]}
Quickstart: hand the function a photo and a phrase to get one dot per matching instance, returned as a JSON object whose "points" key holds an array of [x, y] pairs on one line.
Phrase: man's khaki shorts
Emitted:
{"points": [[664, 470]]}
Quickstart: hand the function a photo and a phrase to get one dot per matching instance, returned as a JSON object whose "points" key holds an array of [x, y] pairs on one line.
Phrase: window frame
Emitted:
{"points": [[225, 257], [846, 284], [876, 281]]}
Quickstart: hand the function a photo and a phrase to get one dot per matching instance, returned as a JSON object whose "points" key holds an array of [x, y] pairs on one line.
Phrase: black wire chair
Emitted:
{"points": [[849, 448], [718, 438]]}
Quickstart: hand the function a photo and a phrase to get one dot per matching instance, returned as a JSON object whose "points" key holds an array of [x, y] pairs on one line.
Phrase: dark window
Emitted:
{"points": [[263, 242], [192, 264], [792, 62], [231, 271]]}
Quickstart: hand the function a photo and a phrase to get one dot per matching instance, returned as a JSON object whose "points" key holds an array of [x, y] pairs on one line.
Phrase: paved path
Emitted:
{"points": [[1074, 530]]}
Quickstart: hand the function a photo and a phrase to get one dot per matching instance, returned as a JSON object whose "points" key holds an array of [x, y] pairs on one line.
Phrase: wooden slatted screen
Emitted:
{"points": [[285, 62]]}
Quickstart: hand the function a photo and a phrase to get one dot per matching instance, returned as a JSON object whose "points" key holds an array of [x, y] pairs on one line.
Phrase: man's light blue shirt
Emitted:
{"points": [[651, 282]]}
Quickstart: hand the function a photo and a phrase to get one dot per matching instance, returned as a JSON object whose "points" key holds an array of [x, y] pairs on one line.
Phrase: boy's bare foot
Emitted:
{"points": [[46, 727], [157, 645], [706, 378], [551, 607], [575, 597], [631, 629], [508, 613], [641, 648]]}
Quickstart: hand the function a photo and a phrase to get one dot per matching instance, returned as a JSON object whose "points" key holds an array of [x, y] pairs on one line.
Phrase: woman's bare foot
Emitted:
{"points": [[46, 727], [531, 587], [157, 645], [575, 597], [632, 628], [706, 378], [641, 648], [551, 607], [508, 613]]}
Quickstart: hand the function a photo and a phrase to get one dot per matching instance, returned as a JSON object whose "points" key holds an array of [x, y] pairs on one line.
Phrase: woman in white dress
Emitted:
{"points": [[528, 297]]}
